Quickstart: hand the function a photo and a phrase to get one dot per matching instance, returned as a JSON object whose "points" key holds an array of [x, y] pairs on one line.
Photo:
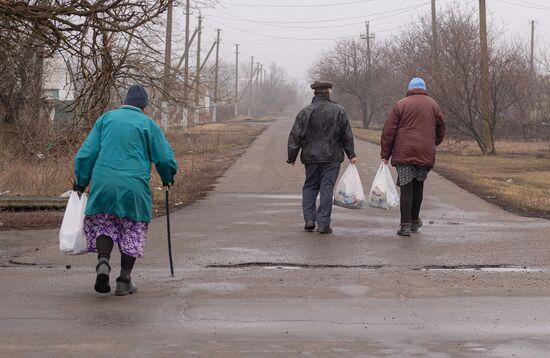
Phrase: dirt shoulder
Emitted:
{"points": [[203, 152], [517, 179]]}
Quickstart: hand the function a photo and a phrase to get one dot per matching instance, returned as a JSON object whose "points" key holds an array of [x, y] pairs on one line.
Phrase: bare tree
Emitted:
{"points": [[456, 85], [346, 66]]}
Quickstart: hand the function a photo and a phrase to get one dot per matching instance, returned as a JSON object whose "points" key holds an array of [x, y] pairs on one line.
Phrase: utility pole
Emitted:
{"points": [[250, 85], [217, 67], [236, 80], [257, 73], [205, 60], [368, 37], [167, 66], [186, 51], [198, 73], [532, 58], [187, 46], [435, 44], [486, 128]]}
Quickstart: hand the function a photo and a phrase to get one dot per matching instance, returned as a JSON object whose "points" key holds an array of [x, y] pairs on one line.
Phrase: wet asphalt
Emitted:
{"points": [[250, 283]]}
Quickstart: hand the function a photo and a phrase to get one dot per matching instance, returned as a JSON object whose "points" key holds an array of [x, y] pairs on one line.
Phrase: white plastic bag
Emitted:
{"points": [[383, 193], [71, 236], [349, 190]]}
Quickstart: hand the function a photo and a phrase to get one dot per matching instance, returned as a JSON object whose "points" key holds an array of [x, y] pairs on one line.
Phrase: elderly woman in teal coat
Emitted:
{"points": [[115, 160]]}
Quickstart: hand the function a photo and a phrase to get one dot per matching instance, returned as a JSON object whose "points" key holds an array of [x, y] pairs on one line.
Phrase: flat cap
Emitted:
{"points": [[320, 85]]}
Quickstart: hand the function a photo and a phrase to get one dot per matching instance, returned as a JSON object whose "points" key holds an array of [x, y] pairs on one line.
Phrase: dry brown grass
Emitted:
{"points": [[35, 177], [519, 183], [369, 135], [203, 152], [517, 178]]}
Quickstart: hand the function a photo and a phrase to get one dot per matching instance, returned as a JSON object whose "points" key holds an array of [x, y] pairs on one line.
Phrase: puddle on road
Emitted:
{"points": [[241, 250], [251, 223], [268, 196], [453, 223]]}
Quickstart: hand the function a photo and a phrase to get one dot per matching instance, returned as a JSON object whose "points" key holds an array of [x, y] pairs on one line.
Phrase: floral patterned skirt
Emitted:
{"points": [[406, 173], [129, 235]]}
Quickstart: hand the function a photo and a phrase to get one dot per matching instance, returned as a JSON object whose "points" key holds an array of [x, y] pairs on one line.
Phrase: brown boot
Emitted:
{"points": [[405, 230]]}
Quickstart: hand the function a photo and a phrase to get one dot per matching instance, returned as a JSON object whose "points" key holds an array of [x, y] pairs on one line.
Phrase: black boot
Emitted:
{"points": [[310, 226], [324, 230], [104, 246], [102, 279], [405, 230], [124, 284], [124, 287]]}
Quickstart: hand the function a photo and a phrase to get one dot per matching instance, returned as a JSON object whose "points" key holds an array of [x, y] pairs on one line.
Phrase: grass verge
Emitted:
{"points": [[516, 179], [203, 152]]}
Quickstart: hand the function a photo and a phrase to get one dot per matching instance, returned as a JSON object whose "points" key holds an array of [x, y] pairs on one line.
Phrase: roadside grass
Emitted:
{"points": [[203, 153], [516, 179], [369, 135], [519, 183]]}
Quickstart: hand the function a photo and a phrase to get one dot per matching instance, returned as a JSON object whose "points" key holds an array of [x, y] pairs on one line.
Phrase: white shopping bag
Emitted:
{"points": [[71, 236], [349, 190], [383, 193]]}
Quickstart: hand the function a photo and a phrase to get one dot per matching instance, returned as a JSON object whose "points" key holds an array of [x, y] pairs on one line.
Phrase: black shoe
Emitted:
{"points": [[324, 230], [102, 280], [124, 288], [416, 224], [310, 226], [405, 230]]}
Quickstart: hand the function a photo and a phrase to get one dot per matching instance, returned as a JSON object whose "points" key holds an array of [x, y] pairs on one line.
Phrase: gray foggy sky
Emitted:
{"points": [[293, 33]]}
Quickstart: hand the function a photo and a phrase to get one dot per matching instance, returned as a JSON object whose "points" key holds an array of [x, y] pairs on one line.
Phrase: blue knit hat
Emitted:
{"points": [[417, 83], [137, 97]]}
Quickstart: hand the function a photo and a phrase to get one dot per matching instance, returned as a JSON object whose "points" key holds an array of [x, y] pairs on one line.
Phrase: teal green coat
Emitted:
{"points": [[116, 158]]}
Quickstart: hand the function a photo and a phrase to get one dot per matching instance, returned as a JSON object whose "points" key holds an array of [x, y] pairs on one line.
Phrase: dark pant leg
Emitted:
{"points": [[104, 246], [329, 174], [406, 200], [310, 191], [418, 195]]}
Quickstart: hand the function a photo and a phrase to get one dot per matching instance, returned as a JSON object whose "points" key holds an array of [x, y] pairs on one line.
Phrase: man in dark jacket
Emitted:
{"points": [[413, 129], [323, 133]]}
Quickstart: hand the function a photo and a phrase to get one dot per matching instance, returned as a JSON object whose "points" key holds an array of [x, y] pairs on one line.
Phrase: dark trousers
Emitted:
{"points": [[320, 177], [411, 201]]}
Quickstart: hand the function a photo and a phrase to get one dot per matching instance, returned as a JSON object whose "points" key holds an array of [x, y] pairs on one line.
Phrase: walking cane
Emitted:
{"points": [[168, 231]]}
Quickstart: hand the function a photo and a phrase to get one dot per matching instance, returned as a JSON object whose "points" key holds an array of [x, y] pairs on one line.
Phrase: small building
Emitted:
{"points": [[57, 82]]}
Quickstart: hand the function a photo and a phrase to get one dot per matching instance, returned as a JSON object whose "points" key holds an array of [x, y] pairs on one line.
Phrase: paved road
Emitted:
{"points": [[251, 283]]}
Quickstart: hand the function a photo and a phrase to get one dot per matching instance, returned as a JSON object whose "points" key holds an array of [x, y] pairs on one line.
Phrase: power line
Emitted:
{"points": [[538, 7], [283, 26], [393, 12], [313, 39], [275, 37], [349, 25], [295, 6]]}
